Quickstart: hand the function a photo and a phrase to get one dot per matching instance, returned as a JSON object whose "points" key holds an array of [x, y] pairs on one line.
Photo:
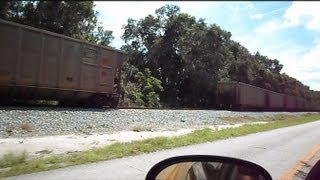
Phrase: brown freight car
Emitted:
{"points": [[241, 96], [290, 103], [38, 64], [275, 101], [237, 95], [299, 104]]}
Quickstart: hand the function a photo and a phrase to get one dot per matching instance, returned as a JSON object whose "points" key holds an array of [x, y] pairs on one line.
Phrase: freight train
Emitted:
{"points": [[38, 64], [241, 96]]}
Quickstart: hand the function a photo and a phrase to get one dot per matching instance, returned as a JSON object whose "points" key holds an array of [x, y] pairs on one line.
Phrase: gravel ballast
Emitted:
{"points": [[47, 121]]}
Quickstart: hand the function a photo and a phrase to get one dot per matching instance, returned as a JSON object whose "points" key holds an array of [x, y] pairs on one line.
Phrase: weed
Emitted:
{"points": [[45, 151], [26, 126], [10, 159], [141, 128], [233, 119]]}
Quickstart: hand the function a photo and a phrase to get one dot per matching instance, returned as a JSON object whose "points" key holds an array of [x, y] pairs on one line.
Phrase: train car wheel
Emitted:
{"points": [[98, 100], [114, 102]]}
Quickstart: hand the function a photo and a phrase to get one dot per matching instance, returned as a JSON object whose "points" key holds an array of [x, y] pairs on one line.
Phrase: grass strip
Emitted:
{"points": [[22, 166]]}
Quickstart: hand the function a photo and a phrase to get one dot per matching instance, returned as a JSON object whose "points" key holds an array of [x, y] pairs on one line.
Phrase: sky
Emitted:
{"points": [[288, 31]]}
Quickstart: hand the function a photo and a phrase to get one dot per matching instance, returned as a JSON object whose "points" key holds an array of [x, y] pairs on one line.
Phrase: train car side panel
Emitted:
{"points": [[107, 71], [90, 67], [299, 105], [51, 58], [70, 67], [226, 95], [251, 96], [290, 103], [30, 56], [9, 48], [276, 100]]}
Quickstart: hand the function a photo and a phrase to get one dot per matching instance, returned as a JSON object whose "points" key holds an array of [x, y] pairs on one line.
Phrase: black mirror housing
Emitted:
{"points": [[189, 162]]}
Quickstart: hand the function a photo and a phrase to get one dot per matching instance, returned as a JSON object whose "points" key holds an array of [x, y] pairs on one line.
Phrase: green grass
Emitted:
{"points": [[118, 150], [239, 119], [10, 159]]}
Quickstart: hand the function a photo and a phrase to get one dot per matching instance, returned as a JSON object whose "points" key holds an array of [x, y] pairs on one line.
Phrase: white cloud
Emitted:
{"points": [[299, 13], [257, 16], [311, 59], [303, 13], [269, 27], [299, 62], [306, 65]]}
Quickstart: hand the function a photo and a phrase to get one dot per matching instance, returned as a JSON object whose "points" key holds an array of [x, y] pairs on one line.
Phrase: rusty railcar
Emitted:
{"points": [[290, 103], [237, 95], [38, 64], [275, 101], [241, 96], [299, 103]]}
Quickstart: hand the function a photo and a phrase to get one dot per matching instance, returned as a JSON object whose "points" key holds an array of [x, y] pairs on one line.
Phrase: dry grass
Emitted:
{"points": [[234, 119], [27, 126], [45, 151], [246, 118], [280, 117], [141, 128]]}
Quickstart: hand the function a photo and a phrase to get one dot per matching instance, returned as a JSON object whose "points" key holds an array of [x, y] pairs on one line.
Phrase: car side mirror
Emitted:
{"points": [[314, 173], [205, 167]]}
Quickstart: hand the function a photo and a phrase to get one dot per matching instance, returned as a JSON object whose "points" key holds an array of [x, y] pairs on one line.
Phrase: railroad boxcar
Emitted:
{"points": [[300, 104], [307, 105], [314, 107], [290, 103], [275, 101], [241, 96], [237, 95], [38, 64]]}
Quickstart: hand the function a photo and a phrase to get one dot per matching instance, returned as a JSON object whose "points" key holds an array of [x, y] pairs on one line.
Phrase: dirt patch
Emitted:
{"points": [[49, 145], [45, 151], [237, 119], [26, 126]]}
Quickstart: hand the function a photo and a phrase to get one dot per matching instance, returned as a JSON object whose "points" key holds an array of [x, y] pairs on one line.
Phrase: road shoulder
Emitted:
{"points": [[300, 170]]}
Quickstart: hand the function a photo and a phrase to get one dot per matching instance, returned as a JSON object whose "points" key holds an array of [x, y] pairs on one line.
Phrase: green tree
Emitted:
{"points": [[272, 65], [144, 89], [76, 19], [184, 53], [204, 53]]}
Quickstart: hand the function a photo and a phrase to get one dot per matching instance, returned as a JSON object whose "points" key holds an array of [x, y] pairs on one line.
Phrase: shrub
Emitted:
{"points": [[142, 88]]}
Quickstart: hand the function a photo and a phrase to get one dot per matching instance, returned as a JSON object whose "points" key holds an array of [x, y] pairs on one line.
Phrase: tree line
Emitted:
{"points": [[75, 19], [175, 60]]}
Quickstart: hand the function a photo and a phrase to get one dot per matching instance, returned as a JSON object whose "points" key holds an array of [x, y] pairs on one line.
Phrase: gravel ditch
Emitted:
{"points": [[47, 121]]}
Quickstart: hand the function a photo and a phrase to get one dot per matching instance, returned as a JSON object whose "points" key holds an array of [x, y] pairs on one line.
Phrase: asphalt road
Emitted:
{"points": [[277, 151]]}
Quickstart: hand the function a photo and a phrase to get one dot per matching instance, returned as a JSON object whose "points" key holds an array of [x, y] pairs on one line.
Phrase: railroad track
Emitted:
{"points": [[21, 105], [165, 108], [119, 107]]}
